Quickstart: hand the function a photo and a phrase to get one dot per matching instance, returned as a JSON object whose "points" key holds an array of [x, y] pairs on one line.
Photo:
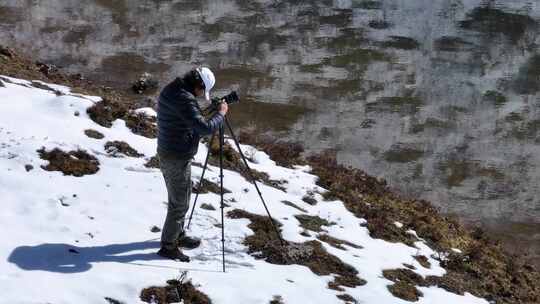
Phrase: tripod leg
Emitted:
{"points": [[221, 139], [252, 179], [199, 187]]}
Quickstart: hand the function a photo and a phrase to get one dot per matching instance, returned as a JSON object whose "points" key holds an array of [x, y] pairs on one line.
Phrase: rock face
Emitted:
{"points": [[438, 97]]}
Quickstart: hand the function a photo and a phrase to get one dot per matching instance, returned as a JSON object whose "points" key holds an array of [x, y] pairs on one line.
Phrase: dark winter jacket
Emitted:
{"points": [[180, 121]]}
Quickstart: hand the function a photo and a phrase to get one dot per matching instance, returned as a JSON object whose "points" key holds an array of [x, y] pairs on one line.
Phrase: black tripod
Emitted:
{"points": [[221, 143]]}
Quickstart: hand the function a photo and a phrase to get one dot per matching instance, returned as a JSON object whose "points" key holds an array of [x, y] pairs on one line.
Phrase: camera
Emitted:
{"points": [[230, 98]]}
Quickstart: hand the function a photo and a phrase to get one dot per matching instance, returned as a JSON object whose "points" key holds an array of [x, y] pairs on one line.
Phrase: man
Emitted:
{"points": [[180, 126]]}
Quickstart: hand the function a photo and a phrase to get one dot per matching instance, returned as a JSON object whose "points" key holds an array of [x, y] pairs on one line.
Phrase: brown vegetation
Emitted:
{"points": [[93, 134], [311, 222], [174, 292], [118, 148], [106, 111], [483, 269], [293, 205], [76, 163], [405, 281], [264, 244], [337, 243], [153, 162], [208, 186]]}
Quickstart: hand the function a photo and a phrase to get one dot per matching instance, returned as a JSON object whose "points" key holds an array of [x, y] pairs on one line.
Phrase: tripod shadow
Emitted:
{"points": [[65, 258]]}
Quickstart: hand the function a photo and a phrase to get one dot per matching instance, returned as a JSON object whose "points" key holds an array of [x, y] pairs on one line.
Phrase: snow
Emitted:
{"points": [[147, 111], [105, 219]]}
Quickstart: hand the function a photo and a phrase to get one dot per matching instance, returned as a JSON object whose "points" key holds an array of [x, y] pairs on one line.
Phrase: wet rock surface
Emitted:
{"points": [[353, 61]]}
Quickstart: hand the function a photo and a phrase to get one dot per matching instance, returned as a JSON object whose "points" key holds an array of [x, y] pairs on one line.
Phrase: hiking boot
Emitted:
{"points": [[188, 242], [174, 254]]}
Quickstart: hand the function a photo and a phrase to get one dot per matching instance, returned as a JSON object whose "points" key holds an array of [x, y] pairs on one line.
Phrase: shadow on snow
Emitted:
{"points": [[65, 258]]}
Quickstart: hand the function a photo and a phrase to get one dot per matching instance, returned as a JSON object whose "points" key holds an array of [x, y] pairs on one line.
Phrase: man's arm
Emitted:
{"points": [[200, 124]]}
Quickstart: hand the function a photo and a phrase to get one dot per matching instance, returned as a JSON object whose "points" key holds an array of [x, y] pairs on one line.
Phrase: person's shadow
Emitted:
{"points": [[65, 258]]}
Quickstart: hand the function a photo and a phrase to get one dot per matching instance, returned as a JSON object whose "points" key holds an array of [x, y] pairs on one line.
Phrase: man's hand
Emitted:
{"points": [[223, 107]]}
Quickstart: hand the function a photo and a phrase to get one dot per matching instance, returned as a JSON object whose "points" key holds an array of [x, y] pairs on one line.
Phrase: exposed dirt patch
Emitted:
{"points": [[93, 134], [106, 111], [378, 229], [76, 163], [309, 199], [405, 281], [208, 186], [277, 300], [153, 162], [405, 291], [207, 207], [337, 243], [347, 298], [113, 301], [119, 148], [264, 244], [291, 204], [141, 124], [423, 260], [311, 222], [174, 292]]}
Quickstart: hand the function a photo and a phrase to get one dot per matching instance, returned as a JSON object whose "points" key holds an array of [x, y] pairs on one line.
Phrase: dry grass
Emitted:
{"points": [[337, 243], [265, 245], [93, 134], [174, 292], [76, 163], [118, 148], [153, 162], [311, 222], [106, 111], [483, 269], [208, 186]]}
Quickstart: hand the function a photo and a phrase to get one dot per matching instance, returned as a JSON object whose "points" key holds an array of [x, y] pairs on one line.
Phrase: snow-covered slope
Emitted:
{"points": [[69, 239]]}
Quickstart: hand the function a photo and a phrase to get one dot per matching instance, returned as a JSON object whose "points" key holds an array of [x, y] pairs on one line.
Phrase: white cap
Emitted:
{"points": [[209, 80]]}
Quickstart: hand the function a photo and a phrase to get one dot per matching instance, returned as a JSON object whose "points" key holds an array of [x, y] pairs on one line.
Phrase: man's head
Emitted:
{"points": [[200, 81]]}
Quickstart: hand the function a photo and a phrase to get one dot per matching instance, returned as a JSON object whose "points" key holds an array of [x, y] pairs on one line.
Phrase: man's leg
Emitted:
{"points": [[177, 174]]}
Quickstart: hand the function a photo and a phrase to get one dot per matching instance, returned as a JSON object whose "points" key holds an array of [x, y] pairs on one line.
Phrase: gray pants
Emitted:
{"points": [[177, 173]]}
